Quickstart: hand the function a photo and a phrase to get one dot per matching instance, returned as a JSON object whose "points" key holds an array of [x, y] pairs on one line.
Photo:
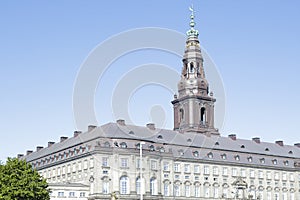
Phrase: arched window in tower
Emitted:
{"points": [[202, 116], [192, 69], [181, 114]]}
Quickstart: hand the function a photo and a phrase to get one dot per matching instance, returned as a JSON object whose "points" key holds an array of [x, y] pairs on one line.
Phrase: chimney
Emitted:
{"points": [[232, 136], [91, 128], [20, 156], [76, 133], [38, 148], [256, 139], [121, 122], [151, 126], [62, 138], [279, 142], [50, 144], [297, 145], [28, 152]]}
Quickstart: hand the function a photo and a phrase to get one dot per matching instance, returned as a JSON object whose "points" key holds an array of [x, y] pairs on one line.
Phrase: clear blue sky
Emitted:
{"points": [[255, 45]]}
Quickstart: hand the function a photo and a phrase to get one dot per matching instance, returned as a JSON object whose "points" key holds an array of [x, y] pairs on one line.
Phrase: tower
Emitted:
{"points": [[194, 105]]}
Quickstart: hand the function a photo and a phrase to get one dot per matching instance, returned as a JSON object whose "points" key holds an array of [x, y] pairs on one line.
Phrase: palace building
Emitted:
{"points": [[192, 161]]}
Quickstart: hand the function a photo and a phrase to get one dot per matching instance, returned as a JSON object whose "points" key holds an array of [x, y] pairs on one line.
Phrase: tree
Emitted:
{"points": [[18, 180]]}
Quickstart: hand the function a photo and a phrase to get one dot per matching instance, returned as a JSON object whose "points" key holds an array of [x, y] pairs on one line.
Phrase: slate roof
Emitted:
{"points": [[188, 140]]}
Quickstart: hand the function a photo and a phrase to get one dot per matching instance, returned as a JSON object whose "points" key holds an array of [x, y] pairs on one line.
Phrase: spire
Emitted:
{"points": [[192, 31]]}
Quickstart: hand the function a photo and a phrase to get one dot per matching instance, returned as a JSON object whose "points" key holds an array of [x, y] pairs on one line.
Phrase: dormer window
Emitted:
{"points": [[189, 140], [262, 161], [123, 145], [160, 137], [243, 146], [274, 162], [106, 144], [210, 155], [223, 156], [181, 152], [196, 153], [290, 152], [286, 163], [131, 132], [162, 149], [250, 159], [217, 143], [151, 147], [237, 157], [267, 149]]}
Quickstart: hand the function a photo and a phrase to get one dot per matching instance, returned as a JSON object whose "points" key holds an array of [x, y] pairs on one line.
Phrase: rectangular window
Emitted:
{"points": [[58, 171], [252, 173], [105, 161], [79, 166], [292, 178], [196, 169], [166, 166], [276, 176], [60, 194], [82, 194], [124, 162], [54, 172], [197, 191], [105, 189], [243, 173], [187, 168], [216, 192], [69, 169], [63, 170], [71, 194], [206, 170], [85, 165], [260, 174], [74, 168], [166, 189], [215, 171], [284, 177], [177, 167], [92, 163], [153, 164], [187, 190], [225, 171], [269, 175], [234, 172]]}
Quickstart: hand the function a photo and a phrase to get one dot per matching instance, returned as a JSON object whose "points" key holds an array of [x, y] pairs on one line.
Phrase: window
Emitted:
{"points": [[292, 177], [153, 186], [123, 145], [124, 185], [260, 174], [250, 159], [269, 175], [274, 162], [151, 147], [286, 163], [138, 185], [225, 192], [202, 116], [166, 166], [181, 114], [58, 171], [71, 194], [206, 170], [223, 156], [206, 191], [176, 190], [210, 155], [82, 194], [196, 153], [225, 171], [105, 161], [197, 191], [243, 173], [85, 165], [177, 167], [124, 162], [187, 190], [60, 194], [166, 189], [252, 173], [197, 169], [63, 170], [187, 168], [153, 164], [138, 163], [74, 167], [237, 157], [91, 162], [215, 171], [69, 169], [284, 176], [105, 187], [234, 172], [262, 161], [216, 192], [79, 166]]}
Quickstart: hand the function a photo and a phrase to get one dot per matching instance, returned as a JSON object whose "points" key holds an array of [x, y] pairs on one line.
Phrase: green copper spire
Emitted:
{"points": [[192, 32]]}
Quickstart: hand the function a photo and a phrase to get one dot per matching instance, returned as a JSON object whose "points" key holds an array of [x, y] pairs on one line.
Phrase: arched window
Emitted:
{"points": [[206, 190], [166, 188], [197, 190], [202, 116], [124, 185], [105, 187], [177, 189], [192, 67], [153, 186], [123, 145], [181, 114], [138, 185], [187, 189]]}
